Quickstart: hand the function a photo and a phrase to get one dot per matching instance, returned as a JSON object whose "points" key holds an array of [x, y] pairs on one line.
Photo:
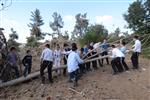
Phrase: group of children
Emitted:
{"points": [[74, 59]]}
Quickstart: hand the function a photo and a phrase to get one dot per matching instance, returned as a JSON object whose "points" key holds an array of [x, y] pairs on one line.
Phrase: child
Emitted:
{"points": [[72, 64], [27, 62], [82, 66], [136, 51], [57, 58], [123, 50], [116, 59]]}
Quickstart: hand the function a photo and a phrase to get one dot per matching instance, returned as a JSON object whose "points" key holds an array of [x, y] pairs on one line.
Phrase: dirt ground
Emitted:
{"points": [[94, 85]]}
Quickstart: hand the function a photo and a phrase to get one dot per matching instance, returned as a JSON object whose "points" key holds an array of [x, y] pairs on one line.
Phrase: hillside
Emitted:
{"points": [[94, 85]]}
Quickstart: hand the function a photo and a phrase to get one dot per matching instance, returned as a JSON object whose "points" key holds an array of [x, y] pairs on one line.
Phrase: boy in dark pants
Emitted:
{"points": [[136, 51], [116, 60], [12, 59], [72, 64], [27, 62]]}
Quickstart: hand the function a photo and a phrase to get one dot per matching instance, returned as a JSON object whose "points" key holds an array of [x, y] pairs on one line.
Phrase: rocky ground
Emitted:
{"points": [[94, 85]]}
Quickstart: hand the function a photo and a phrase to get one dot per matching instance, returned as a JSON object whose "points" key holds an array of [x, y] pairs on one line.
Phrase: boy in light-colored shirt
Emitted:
{"points": [[136, 51], [72, 64]]}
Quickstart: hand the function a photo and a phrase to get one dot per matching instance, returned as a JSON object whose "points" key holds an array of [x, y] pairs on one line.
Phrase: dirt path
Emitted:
{"points": [[95, 85]]}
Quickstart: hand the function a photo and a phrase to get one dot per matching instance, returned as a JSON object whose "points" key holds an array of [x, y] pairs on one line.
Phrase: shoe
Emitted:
{"points": [[43, 80], [115, 73]]}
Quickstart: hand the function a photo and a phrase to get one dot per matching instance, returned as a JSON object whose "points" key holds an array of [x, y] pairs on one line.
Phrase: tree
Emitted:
{"points": [[95, 33], [12, 39], [35, 25], [117, 32], [57, 24], [81, 25], [138, 17], [32, 41]]}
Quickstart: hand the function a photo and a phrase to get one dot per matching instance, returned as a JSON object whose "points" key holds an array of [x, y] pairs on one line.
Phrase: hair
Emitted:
{"points": [[123, 43], [28, 51], [65, 44], [82, 49], [74, 47], [12, 48], [136, 37], [113, 46], [47, 45]]}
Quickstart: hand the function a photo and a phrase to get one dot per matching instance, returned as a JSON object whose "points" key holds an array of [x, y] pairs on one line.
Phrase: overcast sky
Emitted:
{"points": [[106, 12]]}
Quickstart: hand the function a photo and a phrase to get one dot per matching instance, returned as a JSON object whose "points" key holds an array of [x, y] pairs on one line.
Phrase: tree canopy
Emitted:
{"points": [[95, 33], [138, 16]]}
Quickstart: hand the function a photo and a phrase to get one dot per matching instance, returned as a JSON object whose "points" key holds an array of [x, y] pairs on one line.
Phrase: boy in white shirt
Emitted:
{"points": [[57, 58], [136, 51], [116, 60], [72, 64]]}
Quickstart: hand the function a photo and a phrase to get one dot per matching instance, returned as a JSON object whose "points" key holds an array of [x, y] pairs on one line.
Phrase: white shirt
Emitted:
{"points": [[137, 46], [57, 54], [117, 53], [47, 55], [73, 61]]}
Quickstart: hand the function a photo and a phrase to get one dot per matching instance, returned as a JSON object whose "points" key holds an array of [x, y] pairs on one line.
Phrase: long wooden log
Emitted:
{"points": [[36, 74]]}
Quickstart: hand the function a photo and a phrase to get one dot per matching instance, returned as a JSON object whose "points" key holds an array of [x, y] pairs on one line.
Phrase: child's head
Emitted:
{"points": [[58, 47], [74, 47], [123, 43], [113, 46], [136, 37], [82, 49], [12, 49], [47, 46], [28, 52]]}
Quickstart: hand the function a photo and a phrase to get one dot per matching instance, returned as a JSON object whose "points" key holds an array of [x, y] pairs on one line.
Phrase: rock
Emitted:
{"points": [[48, 98], [31, 95]]}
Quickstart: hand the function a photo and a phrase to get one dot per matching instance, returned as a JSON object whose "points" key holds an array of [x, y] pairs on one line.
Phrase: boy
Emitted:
{"points": [[47, 62], [72, 64], [123, 50], [136, 51], [27, 62], [12, 59], [104, 46], [116, 60], [57, 58]]}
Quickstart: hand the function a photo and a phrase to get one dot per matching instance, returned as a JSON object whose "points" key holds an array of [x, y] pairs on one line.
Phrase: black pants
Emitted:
{"points": [[48, 65], [88, 68], [16, 71], [65, 69], [94, 63], [134, 59], [124, 63], [82, 68], [27, 70], [116, 64], [103, 54]]}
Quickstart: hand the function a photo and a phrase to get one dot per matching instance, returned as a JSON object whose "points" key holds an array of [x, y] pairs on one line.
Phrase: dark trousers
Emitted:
{"points": [[104, 54], [88, 68], [94, 63], [27, 70], [65, 69], [81, 68], [116, 64], [74, 76], [124, 63], [134, 59], [48, 65], [16, 71]]}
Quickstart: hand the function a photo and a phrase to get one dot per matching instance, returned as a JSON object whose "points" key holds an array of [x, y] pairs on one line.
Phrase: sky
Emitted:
{"points": [[106, 12]]}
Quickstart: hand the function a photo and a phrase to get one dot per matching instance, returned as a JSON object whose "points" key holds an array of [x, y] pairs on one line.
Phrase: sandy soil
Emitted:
{"points": [[94, 85]]}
